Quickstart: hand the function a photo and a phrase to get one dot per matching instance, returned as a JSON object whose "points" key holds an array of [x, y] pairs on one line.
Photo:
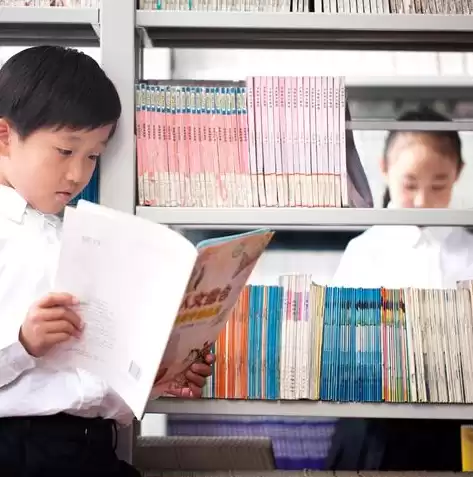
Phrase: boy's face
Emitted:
{"points": [[50, 167]]}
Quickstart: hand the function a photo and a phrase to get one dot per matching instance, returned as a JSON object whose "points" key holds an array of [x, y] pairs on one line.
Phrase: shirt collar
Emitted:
{"points": [[14, 207], [416, 236]]}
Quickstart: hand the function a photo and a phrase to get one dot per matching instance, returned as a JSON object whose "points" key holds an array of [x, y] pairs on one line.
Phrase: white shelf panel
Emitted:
{"points": [[310, 408], [55, 25], [300, 218], [52, 15], [306, 21], [307, 30]]}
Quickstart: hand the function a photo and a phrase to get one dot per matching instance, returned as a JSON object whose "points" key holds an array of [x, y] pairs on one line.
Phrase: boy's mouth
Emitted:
{"points": [[64, 197]]}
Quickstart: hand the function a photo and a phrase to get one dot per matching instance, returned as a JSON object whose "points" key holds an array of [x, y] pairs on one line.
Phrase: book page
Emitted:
{"points": [[130, 276], [221, 271]]}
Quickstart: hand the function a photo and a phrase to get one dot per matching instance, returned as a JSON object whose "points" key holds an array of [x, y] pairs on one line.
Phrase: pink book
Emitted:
{"points": [[265, 138], [148, 144], [259, 141], [270, 158], [222, 147], [192, 152], [180, 146], [153, 178], [300, 140], [164, 197], [140, 149], [227, 156], [306, 124], [213, 152], [289, 161], [336, 141], [252, 140], [243, 149], [295, 142], [325, 156], [172, 147], [281, 201], [284, 144], [320, 141], [204, 144], [343, 152], [331, 139], [313, 141]]}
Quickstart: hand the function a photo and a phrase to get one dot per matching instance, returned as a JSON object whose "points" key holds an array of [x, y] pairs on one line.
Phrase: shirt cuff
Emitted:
{"points": [[19, 359]]}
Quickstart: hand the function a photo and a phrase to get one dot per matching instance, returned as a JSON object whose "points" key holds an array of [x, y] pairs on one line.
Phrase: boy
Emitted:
{"points": [[58, 111]]}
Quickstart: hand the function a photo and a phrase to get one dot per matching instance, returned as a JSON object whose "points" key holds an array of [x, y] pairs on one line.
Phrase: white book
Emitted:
{"points": [[152, 302]]}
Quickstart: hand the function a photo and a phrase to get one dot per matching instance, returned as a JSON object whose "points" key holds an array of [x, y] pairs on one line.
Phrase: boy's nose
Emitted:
{"points": [[75, 171]]}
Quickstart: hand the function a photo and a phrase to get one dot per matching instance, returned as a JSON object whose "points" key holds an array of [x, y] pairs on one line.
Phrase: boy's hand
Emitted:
{"points": [[50, 321], [196, 377]]}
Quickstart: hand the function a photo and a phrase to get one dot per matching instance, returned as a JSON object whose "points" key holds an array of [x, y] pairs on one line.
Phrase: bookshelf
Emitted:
{"points": [[311, 408], [122, 32]]}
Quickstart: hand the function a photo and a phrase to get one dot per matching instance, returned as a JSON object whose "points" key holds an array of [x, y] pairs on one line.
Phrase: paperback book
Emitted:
{"points": [[141, 335]]}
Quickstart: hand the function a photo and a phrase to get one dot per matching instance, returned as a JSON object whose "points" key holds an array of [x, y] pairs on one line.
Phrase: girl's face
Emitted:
{"points": [[420, 173]]}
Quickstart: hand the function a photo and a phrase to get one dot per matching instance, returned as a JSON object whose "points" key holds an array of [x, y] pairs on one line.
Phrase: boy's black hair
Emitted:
{"points": [[50, 86], [424, 114]]}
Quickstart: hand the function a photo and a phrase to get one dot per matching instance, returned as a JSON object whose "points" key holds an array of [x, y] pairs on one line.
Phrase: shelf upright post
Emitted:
{"points": [[117, 166], [118, 49]]}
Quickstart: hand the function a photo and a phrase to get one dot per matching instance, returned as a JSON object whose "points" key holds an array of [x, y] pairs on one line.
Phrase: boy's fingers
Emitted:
{"points": [[56, 338], [61, 327], [59, 314], [194, 378], [201, 369], [57, 299], [210, 359]]}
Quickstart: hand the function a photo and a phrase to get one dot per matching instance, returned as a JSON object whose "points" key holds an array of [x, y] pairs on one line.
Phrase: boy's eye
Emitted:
{"points": [[94, 157], [438, 187], [64, 152]]}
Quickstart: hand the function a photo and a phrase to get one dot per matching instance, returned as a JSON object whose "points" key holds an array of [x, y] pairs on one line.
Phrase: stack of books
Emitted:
{"points": [[266, 142], [304, 341]]}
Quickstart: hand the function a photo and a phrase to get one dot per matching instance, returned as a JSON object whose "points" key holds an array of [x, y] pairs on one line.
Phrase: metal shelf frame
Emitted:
{"points": [[233, 407], [307, 30]]}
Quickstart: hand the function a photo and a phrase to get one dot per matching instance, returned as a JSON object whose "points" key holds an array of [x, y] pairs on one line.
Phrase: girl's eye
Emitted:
{"points": [[94, 157], [409, 186], [64, 152], [438, 187]]}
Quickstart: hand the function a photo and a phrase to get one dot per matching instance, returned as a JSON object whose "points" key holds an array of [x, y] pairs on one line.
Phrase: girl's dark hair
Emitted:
{"points": [[55, 87], [452, 138]]}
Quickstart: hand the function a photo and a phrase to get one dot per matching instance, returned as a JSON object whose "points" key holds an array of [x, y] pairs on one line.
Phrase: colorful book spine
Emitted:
{"points": [[298, 340]]}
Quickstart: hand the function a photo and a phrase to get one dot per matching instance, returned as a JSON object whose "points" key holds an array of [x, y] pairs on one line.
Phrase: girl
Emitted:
{"points": [[420, 169]]}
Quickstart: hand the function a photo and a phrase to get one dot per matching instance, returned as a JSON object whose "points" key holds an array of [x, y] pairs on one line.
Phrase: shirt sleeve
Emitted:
{"points": [[14, 359]]}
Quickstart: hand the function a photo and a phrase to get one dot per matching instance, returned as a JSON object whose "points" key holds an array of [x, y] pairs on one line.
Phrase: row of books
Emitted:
{"points": [[270, 141], [299, 340], [446, 7], [51, 3]]}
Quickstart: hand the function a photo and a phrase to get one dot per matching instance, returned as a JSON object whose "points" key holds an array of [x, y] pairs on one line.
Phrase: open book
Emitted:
{"points": [[151, 301]]}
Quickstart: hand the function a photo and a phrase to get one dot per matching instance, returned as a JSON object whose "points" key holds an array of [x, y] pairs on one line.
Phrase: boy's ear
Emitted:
{"points": [[5, 137]]}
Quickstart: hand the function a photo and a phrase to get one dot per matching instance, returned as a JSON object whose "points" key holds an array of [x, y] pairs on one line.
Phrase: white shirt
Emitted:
{"points": [[407, 256], [29, 249]]}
